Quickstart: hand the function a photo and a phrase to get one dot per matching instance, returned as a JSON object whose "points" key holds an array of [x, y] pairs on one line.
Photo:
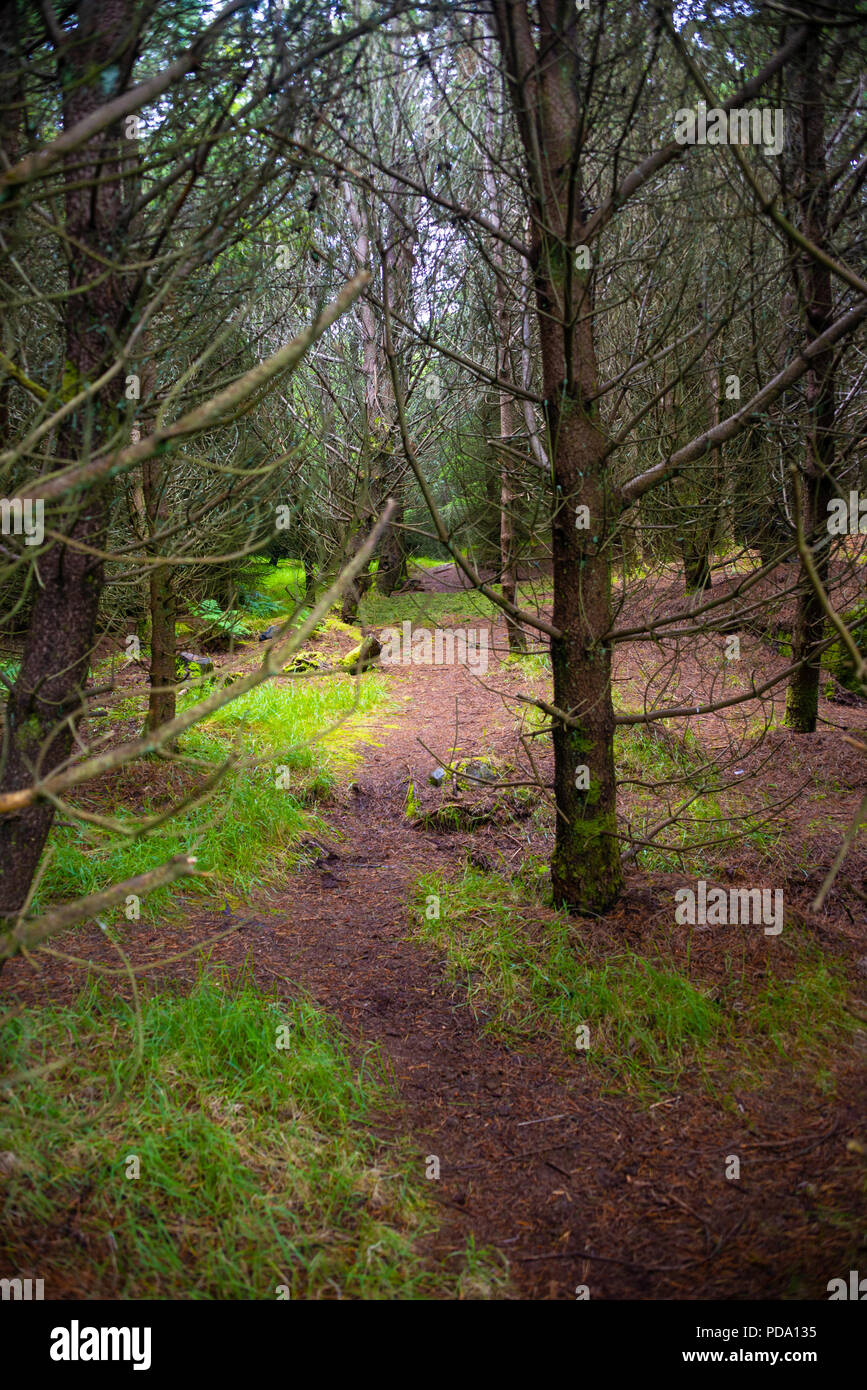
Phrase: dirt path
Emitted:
{"points": [[574, 1187]]}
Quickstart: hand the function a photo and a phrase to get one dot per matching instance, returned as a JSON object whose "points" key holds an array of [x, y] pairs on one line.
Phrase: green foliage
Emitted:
{"points": [[10, 670], [534, 972], [247, 830], [227, 622], [259, 1166], [423, 609], [257, 604], [837, 659]]}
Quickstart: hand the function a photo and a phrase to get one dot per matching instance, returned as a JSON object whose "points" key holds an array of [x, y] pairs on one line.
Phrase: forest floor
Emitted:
{"points": [[580, 1171]]}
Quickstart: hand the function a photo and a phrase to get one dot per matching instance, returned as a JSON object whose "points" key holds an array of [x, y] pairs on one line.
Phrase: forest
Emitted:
{"points": [[433, 651]]}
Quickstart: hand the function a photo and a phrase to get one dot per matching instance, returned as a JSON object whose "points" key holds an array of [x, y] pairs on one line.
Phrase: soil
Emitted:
{"points": [[575, 1184]]}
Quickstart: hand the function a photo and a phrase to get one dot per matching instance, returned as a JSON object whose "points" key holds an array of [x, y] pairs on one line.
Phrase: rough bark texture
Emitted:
{"points": [[802, 697], [163, 675], [586, 871], [392, 555], [57, 650]]}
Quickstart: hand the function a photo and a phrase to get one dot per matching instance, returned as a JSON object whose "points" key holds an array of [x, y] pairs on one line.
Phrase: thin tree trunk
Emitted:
{"points": [[508, 567], [163, 674], [802, 696], [586, 871]]}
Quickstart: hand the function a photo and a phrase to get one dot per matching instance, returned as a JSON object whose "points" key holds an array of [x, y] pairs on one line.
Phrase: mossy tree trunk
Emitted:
{"points": [[586, 871], [815, 293]]}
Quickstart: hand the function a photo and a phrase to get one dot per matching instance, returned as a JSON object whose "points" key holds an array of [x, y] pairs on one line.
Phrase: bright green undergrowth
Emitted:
{"points": [[424, 610], [246, 833], [532, 972], [258, 1169]]}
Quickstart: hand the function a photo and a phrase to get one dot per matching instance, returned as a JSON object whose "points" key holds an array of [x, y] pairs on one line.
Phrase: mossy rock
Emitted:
{"points": [[473, 772], [190, 665], [306, 660], [337, 625]]}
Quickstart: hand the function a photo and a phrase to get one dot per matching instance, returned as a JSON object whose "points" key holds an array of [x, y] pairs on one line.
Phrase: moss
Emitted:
{"points": [[306, 660], [586, 873], [336, 625], [837, 659]]}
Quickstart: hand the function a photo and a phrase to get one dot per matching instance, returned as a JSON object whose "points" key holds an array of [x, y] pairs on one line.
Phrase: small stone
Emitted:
{"points": [[437, 777], [480, 772], [189, 659], [861, 965]]}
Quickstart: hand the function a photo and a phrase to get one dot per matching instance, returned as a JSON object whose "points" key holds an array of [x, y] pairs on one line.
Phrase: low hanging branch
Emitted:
{"points": [[282, 647], [733, 424], [203, 417], [26, 935]]}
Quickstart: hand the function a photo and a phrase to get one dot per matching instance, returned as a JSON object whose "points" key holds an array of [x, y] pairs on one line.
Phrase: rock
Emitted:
{"points": [[306, 661], [269, 632], [861, 965], [204, 663], [480, 772], [437, 777]]}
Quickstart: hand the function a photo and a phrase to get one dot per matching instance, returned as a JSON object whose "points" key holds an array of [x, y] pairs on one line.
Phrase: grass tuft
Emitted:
{"points": [[257, 1164]]}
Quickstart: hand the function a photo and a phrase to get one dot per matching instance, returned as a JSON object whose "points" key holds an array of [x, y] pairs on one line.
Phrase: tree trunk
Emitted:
{"points": [[392, 556], [163, 673], [696, 565], [309, 583], [802, 697], [59, 642], [586, 872]]}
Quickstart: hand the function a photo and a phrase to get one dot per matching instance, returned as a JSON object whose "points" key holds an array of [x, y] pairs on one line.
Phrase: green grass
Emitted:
{"points": [[287, 717], [532, 665], [283, 582], [245, 834], [534, 973], [423, 609], [257, 1164]]}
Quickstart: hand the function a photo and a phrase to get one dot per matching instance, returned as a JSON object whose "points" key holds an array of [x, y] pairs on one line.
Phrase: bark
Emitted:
{"points": [[391, 574], [802, 696], [309, 583], [586, 871], [163, 674], [696, 555], [57, 651]]}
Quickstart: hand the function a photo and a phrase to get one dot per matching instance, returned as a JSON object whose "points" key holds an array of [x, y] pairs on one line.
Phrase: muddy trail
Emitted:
{"points": [[575, 1186]]}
